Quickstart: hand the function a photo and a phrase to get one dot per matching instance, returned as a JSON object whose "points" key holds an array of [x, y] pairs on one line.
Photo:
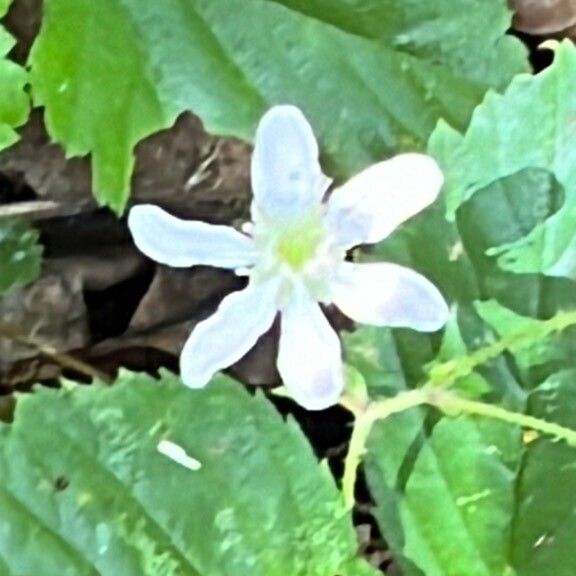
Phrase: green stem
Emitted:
{"points": [[447, 402], [445, 374], [451, 403], [363, 424]]}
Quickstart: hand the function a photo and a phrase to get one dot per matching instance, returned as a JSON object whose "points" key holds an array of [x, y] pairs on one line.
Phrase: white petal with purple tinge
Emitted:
{"points": [[229, 333], [386, 294], [183, 243], [309, 356], [372, 204], [286, 176]]}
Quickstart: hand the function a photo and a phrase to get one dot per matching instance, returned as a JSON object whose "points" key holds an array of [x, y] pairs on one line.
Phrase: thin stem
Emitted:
{"points": [[448, 403], [445, 374], [451, 403], [363, 426], [61, 358]]}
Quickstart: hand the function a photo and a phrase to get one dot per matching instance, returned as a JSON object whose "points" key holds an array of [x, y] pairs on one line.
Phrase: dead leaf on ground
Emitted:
{"points": [[542, 17]]}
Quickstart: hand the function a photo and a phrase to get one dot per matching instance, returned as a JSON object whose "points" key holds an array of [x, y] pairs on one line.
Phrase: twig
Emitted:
{"points": [[61, 358]]}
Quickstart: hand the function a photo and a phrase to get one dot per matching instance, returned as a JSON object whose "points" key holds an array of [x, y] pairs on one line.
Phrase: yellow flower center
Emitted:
{"points": [[297, 245]]}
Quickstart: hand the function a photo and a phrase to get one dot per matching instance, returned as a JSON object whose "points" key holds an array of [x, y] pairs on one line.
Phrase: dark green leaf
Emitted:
{"points": [[14, 101], [545, 522], [19, 254]]}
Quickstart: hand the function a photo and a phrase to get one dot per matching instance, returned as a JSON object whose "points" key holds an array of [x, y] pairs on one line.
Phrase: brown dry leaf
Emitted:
{"points": [[542, 17], [175, 303], [178, 295], [51, 310]]}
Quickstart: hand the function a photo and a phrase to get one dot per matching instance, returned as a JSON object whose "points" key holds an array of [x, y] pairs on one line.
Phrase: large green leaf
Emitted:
{"points": [[111, 72], [19, 254], [467, 496], [459, 498], [444, 491], [438, 31], [530, 127], [84, 490], [14, 101]]}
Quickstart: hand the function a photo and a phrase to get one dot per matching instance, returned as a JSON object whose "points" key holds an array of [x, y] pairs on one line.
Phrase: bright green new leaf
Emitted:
{"points": [[14, 101], [84, 489], [530, 127], [19, 254], [110, 73]]}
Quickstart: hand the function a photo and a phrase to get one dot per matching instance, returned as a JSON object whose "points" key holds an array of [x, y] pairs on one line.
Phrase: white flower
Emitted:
{"points": [[294, 254]]}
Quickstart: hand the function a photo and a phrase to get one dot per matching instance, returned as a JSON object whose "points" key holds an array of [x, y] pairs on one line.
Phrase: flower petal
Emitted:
{"points": [[375, 202], [228, 334], [386, 294], [286, 175], [309, 358], [180, 243]]}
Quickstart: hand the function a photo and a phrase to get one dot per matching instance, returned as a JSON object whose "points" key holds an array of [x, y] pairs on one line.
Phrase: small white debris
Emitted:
{"points": [[540, 541], [178, 455], [456, 251]]}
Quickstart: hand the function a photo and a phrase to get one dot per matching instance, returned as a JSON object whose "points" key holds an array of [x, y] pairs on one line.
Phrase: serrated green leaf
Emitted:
{"points": [[545, 522], [14, 101], [92, 75], [530, 127], [84, 489], [109, 73], [20, 254], [444, 491], [459, 498]]}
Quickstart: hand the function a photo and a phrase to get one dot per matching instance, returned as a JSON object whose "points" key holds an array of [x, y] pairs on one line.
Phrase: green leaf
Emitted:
{"points": [[109, 73], [433, 31], [531, 351], [459, 497], [530, 127], [20, 254], [539, 347], [453, 349], [444, 491], [14, 101], [504, 212], [84, 489], [545, 522], [93, 76]]}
